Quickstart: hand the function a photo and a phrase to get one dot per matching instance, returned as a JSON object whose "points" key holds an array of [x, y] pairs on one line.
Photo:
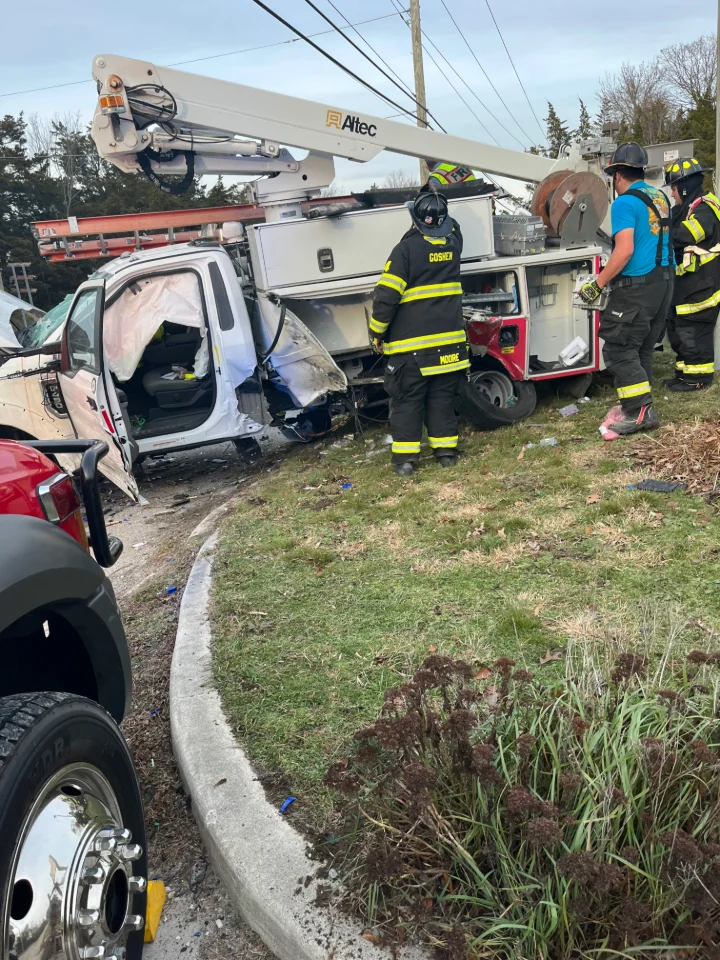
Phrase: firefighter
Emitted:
{"points": [[418, 324], [445, 174], [641, 272], [696, 299]]}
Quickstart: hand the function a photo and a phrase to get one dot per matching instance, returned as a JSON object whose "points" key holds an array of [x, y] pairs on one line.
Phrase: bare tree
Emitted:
{"points": [[636, 97], [401, 180], [690, 71], [335, 189]]}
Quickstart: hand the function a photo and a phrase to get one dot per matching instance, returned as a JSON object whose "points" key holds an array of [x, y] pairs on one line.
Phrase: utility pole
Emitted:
{"points": [[420, 74]]}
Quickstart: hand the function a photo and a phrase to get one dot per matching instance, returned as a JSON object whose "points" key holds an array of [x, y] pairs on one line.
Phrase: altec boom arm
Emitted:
{"points": [[195, 112]]}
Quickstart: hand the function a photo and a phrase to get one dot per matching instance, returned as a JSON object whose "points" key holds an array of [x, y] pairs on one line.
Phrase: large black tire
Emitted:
{"points": [[42, 734], [483, 399]]}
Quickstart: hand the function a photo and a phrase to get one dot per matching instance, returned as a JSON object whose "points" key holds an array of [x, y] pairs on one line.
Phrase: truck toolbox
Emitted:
{"points": [[327, 249]]}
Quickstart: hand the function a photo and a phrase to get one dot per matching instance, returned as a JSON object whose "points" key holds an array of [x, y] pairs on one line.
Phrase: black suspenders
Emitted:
{"points": [[664, 222]]}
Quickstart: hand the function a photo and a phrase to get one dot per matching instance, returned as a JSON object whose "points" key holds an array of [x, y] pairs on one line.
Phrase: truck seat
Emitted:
{"points": [[172, 348], [177, 394]]}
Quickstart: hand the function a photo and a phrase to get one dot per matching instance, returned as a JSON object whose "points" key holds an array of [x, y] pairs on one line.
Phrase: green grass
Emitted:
{"points": [[318, 611]]}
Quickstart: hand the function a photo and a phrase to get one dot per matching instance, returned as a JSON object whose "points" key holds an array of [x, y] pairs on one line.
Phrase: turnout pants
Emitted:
{"points": [[416, 400], [692, 337], [630, 326]]}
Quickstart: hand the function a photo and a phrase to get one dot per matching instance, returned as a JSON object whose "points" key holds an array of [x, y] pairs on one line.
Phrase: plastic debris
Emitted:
{"points": [[569, 410], [545, 442], [218, 461], [170, 591], [332, 874], [286, 804], [346, 486], [136, 546], [155, 711], [219, 923], [660, 486], [584, 400]]}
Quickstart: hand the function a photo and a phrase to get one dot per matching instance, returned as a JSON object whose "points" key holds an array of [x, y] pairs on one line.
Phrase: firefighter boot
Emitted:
{"points": [[406, 469], [646, 419], [449, 460], [687, 386]]}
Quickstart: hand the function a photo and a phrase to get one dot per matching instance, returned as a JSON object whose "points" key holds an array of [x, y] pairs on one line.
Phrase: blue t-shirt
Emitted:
{"points": [[630, 212]]}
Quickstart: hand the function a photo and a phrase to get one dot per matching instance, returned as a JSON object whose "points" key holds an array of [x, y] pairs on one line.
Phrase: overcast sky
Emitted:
{"points": [[561, 48]]}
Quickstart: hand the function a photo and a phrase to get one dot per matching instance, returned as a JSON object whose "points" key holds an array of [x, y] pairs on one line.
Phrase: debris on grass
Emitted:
{"points": [[550, 656], [686, 453], [286, 804], [569, 410], [660, 486]]}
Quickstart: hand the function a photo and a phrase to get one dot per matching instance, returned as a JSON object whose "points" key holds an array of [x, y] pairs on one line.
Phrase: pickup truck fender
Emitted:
{"points": [[42, 569]]}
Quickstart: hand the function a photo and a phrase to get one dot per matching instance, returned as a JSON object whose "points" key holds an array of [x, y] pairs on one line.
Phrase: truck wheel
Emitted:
{"points": [[490, 399], [72, 861]]}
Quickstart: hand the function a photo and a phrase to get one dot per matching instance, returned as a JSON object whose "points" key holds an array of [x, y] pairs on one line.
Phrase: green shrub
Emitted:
{"points": [[501, 817]]}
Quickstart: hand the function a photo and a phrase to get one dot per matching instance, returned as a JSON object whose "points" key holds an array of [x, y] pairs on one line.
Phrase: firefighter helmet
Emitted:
{"points": [[429, 212], [628, 155], [681, 169]]}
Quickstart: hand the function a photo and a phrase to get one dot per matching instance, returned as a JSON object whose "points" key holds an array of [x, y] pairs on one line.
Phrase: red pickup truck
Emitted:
{"points": [[73, 870]]}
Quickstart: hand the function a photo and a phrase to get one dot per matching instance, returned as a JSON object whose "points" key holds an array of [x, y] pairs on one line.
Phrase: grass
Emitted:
{"points": [[516, 818], [326, 597]]}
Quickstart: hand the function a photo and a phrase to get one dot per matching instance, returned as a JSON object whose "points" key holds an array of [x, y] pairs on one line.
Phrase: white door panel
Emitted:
{"points": [[94, 414]]}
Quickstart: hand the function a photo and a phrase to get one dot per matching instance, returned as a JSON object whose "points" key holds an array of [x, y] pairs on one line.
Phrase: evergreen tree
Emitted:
{"points": [[585, 127], [557, 131]]}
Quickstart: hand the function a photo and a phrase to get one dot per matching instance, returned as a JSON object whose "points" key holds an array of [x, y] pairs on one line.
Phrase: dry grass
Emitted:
{"points": [[685, 453]]}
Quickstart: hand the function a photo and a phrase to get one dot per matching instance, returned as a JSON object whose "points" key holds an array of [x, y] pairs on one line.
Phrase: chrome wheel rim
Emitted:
{"points": [[71, 880], [496, 387]]}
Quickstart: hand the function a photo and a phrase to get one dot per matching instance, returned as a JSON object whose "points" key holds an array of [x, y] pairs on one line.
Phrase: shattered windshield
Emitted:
{"points": [[36, 335]]}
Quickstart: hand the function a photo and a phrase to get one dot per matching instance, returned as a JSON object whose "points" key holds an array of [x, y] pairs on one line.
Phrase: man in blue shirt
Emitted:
{"points": [[641, 270]]}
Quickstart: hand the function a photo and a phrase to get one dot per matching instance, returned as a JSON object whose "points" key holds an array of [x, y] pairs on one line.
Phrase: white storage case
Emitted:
{"points": [[329, 249]]}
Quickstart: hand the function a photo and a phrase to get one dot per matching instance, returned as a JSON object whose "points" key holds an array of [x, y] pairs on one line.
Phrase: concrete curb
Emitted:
{"points": [[261, 859]]}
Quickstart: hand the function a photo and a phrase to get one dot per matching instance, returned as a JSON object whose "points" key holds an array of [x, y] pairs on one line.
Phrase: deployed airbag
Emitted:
{"points": [[134, 318]]}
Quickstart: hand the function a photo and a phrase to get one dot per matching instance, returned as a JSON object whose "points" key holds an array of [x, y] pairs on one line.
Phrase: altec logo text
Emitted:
{"points": [[351, 123]]}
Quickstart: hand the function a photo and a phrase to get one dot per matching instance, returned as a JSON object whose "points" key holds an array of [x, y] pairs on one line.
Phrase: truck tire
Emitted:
{"points": [[490, 399], [69, 798]]}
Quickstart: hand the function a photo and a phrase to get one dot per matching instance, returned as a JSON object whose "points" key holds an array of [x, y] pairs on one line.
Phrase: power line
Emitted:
{"points": [[371, 47], [543, 132], [449, 81], [332, 59], [368, 58], [485, 73], [399, 12], [213, 56]]}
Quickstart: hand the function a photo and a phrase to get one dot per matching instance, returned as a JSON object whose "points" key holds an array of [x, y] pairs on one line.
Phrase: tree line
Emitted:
{"points": [[50, 169]]}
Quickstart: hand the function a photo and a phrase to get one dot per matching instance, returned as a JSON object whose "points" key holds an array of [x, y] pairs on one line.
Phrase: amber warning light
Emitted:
{"points": [[112, 103]]}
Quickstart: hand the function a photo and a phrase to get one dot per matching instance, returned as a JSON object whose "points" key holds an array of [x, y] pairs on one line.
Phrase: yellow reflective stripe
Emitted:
{"points": [[411, 447], [679, 364], [712, 201], [422, 343], [699, 368], [693, 257], [445, 368], [438, 442], [432, 290], [695, 228], [377, 326], [395, 283], [683, 309], [634, 390], [436, 241]]}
